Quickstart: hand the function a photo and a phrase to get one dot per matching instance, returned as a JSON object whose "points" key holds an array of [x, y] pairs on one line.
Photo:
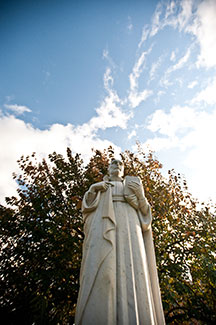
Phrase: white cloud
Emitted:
{"points": [[131, 134], [17, 109], [158, 143], [183, 128], [9, 98], [159, 94], [170, 9], [155, 66], [19, 138], [164, 81], [204, 27], [182, 61], [108, 115], [190, 16], [168, 14], [145, 33], [135, 96], [130, 25], [156, 23], [173, 56], [168, 124], [137, 70], [106, 56], [47, 75], [193, 132], [108, 80], [207, 95], [185, 14], [192, 84], [105, 53]]}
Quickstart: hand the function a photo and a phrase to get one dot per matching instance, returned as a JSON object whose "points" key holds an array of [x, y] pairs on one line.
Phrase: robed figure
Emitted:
{"points": [[118, 279]]}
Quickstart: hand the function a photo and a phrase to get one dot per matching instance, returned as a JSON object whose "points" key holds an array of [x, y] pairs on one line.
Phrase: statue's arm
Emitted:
{"points": [[90, 201], [92, 196], [139, 195], [143, 206], [145, 213]]}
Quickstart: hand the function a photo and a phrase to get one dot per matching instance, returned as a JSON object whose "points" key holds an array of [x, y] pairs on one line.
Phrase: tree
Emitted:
{"points": [[41, 240]]}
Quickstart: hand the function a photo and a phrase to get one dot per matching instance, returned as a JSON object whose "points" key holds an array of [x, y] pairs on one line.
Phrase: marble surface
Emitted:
{"points": [[118, 279]]}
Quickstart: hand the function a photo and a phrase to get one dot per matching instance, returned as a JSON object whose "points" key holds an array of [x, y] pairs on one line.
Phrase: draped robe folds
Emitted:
{"points": [[118, 279]]}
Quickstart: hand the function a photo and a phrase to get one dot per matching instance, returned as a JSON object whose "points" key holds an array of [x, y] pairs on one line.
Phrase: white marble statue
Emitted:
{"points": [[118, 280]]}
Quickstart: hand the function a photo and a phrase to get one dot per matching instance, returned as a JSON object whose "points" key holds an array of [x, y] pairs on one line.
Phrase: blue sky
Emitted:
{"points": [[93, 73]]}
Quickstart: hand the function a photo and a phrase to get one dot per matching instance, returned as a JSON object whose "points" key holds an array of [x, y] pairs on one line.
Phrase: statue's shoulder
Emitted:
{"points": [[106, 178], [136, 179]]}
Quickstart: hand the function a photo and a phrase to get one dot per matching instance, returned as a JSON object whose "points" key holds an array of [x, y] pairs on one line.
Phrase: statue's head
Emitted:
{"points": [[116, 168]]}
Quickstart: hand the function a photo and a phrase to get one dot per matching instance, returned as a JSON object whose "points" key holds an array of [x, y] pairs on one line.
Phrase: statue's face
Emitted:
{"points": [[116, 168]]}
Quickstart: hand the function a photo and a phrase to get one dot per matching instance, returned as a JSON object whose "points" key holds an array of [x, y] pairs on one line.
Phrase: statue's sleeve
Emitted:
{"points": [[143, 209], [90, 202], [132, 200], [145, 214], [141, 205]]}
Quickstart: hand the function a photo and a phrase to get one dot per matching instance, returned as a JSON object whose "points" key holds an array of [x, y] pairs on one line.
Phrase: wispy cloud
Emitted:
{"points": [[159, 94], [182, 61], [173, 56], [154, 67], [131, 134], [106, 56], [135, 96], [171, 13], [192, 84], [190, 16], [17, 109], [207, 95], [110, 112], [156, 23], [47, 75], [145, 33], [137, 70], [165, 80], [204, 27], [185, 14], [130, 25]]}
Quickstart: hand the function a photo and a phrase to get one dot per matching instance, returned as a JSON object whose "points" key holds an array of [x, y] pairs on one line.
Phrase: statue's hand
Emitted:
{"points": [[101, 186], [137, 189]]}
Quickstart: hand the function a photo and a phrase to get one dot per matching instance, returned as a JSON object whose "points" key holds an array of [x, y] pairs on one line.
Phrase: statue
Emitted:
{"points": [[118, 278]]}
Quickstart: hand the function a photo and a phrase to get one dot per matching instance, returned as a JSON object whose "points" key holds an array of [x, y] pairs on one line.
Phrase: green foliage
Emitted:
{"points": [[41, 240]]}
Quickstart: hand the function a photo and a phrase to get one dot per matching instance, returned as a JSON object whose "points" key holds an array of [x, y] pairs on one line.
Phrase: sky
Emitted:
{"points": [[89, 74]]}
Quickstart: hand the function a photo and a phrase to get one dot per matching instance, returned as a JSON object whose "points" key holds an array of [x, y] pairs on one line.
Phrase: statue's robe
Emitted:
{"points": [[118, 279]]}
